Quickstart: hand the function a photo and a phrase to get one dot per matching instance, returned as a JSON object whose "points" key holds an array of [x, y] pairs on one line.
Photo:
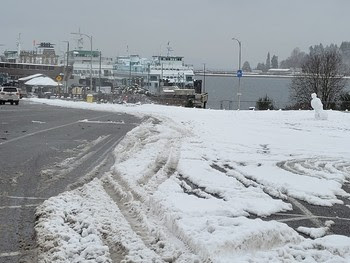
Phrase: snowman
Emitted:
{"points": [[317, 105]]}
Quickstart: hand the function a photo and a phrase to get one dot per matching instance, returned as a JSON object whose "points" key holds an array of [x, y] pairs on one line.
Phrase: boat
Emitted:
{"points": [[167, 78]]}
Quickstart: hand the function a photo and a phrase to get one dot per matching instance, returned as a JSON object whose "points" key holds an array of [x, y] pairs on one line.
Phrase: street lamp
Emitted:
{"points": [[239, 74], [203, 77], [89, 37], [99, 73], [66, 68]]}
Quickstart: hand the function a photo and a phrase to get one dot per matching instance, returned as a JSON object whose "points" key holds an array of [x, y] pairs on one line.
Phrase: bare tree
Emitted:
{"points": [[322, 73]]}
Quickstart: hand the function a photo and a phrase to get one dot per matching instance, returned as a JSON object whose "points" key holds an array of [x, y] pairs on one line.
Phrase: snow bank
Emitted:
{"points": [[203, 176], [82, 225]]}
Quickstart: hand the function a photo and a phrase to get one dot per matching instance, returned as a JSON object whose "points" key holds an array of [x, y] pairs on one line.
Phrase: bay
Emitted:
{"points": [[222, 91]]}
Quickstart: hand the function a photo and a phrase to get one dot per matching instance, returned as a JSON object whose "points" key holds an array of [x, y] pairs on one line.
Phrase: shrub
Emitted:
{"points": [[265, 103]]}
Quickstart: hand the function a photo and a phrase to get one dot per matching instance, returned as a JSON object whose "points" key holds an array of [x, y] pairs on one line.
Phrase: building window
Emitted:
{"points": [[188, 78], [153, 78]]}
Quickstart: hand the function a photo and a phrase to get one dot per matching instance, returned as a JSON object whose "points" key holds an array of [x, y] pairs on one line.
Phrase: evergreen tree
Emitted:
{"points": [[345, 101], [246, 67], [274, 61], [265, 103], [345, 53], [295, 60], [268, 62], [261, 66]]}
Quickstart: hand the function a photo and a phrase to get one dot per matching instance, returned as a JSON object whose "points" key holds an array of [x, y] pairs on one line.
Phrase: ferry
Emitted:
{"points": [[167, 78]]}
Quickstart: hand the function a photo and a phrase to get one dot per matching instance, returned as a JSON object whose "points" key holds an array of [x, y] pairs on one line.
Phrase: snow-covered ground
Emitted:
{"points": [[194, 185]]}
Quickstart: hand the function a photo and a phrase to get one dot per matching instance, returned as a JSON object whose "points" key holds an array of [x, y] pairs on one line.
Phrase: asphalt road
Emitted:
{"points": [[45, 150]]}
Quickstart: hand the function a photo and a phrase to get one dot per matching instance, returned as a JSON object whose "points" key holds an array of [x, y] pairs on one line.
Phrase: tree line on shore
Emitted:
{"points": [[297, 57], [321, 71]]}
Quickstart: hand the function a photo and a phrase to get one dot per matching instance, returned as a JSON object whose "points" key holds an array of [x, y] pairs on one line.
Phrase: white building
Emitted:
{"points": [[158, 72], [81, 61], [83, 69]]}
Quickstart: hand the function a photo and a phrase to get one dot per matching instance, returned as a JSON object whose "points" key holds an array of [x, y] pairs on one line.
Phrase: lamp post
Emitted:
{"points": [[66, 69], [99, 74], [239, 74], [203, 77], [90, 38]]}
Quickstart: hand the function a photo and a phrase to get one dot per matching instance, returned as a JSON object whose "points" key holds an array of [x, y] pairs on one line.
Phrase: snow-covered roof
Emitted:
{"points": [[171, 72], [30, 77], [279, 70], [41, 81]]}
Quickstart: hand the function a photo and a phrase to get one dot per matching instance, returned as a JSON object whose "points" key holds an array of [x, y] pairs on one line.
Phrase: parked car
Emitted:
{"points": [[9, 94]]}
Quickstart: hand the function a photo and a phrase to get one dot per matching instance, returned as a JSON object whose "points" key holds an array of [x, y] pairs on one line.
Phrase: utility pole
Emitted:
{"points": [[203, 77], [239, 72], [129, 71], [90, 38], [99, 74], [149, 70], [66, 69]]}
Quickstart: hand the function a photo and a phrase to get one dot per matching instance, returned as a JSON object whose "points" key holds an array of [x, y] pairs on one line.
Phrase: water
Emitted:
{"points": [[222, 91]]}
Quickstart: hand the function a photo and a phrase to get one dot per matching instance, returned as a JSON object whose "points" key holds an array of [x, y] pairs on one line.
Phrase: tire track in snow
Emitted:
{"points": [[321, 168], [89, 163], [118, 251], [325, 167], [249, 181], [137, 210], [162, 168], [80, 154], [193, 189], [134, 196]]}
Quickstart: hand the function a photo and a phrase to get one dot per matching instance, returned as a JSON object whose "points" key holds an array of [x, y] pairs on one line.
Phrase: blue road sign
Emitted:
{"points": [[239, 73]]}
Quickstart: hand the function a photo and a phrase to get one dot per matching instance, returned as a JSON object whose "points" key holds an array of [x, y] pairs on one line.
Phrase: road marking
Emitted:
{"points": [[288, 214], [18, 206], [49, 129], [10, 254], [309, 218], [26, 197], [102, 122], [306, 211], [37, 132], [40, 122]]}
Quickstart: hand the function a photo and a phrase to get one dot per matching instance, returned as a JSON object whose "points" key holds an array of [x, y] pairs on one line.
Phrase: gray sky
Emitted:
{"points": [[199, 30]]}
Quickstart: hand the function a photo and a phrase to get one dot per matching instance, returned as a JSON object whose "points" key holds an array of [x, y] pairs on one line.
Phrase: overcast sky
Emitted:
{"points": [[199, 30]]}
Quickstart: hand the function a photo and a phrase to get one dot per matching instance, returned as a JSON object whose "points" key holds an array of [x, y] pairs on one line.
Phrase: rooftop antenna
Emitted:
{"points": [[19, 44], [80, 40], [169, 48]]}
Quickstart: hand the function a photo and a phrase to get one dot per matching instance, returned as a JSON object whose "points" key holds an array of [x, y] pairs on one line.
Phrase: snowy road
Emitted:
{"points": [[43, 152]]}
